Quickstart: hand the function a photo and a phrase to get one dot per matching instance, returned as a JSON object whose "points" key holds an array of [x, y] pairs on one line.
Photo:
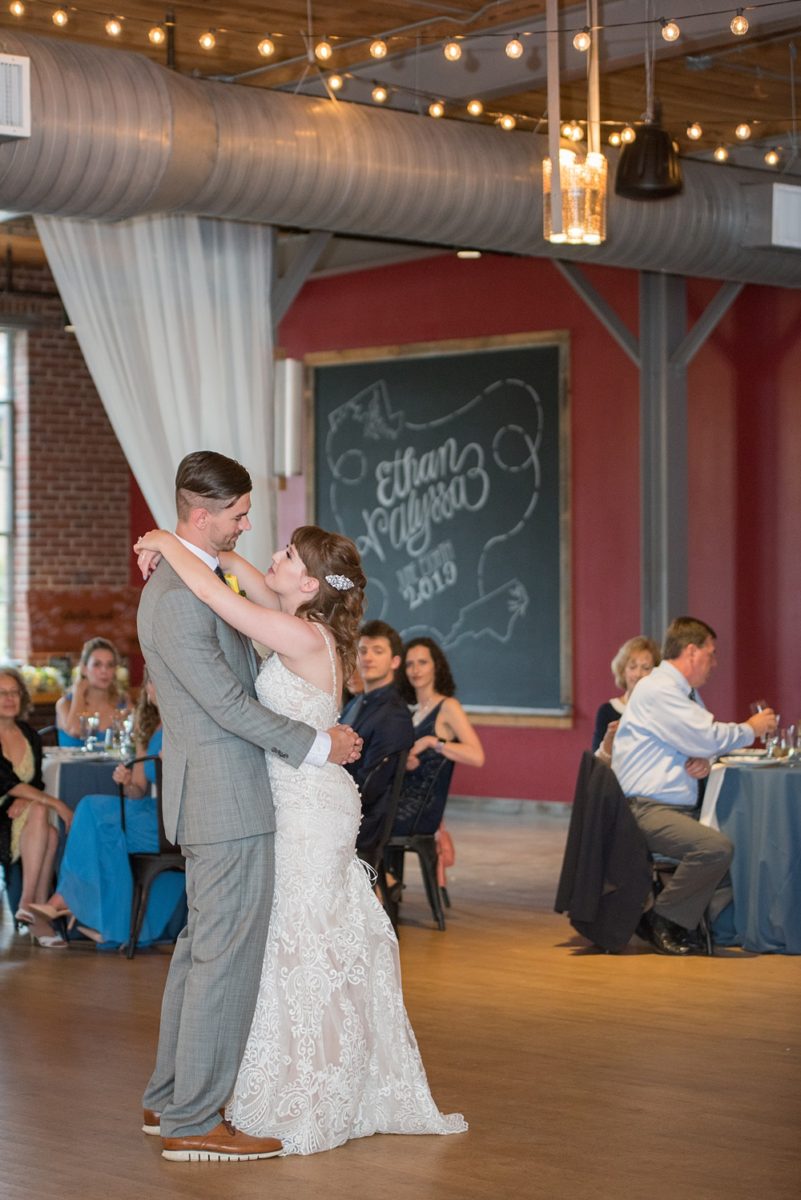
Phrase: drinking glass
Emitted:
{"points": [[92, 726]]}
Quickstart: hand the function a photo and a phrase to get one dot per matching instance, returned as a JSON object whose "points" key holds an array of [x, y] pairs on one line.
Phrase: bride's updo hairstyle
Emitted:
{"points": [[340, 608]]}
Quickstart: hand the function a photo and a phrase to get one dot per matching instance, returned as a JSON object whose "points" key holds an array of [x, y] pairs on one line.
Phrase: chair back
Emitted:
{"points": [[389, 771], [165, 845], [606, 873], [48, 735]]}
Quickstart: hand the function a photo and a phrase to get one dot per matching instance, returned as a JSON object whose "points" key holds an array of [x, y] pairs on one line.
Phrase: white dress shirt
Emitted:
{"points": [[321, 746], [660, 729]]}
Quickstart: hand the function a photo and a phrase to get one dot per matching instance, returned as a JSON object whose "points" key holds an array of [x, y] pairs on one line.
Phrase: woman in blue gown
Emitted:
{"points": [[94, 881]]}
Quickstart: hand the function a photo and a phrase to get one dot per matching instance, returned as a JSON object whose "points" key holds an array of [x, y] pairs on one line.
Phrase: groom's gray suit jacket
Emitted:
{"points": [[216, 786]]}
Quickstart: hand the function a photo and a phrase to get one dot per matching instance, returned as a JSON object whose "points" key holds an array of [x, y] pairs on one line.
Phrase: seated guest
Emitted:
{"points": [[94, 692], [636, 658], [662, 747], [382, 720], [28, 815], [442, 731], [94, 882]]}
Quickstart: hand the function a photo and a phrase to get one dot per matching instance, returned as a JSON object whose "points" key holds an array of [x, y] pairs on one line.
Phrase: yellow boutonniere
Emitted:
{"points": [[233, 583]]}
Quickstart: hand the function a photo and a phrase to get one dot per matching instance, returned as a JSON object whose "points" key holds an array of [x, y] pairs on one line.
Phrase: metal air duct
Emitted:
{"points": [[114, 135]]}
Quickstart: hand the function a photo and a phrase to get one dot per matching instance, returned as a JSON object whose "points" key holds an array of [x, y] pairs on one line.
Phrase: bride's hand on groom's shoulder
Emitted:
{"points": [[346, 745], [147, 561]]}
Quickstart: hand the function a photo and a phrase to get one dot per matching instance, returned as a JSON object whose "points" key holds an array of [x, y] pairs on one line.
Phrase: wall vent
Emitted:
{"points": [[15, 96], [774, 216]]}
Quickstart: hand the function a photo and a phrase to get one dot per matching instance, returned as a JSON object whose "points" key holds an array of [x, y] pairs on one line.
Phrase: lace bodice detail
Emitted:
{"points": [[286, 693]]}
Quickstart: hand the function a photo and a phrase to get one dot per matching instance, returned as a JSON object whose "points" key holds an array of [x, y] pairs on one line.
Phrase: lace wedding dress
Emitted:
{"points": [[331, 1054]]}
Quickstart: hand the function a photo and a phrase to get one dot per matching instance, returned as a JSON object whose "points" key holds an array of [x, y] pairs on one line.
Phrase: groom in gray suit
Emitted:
{"points": [[218, 806]]}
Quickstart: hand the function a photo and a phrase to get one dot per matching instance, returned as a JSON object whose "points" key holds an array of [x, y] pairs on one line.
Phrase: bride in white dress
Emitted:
{"points": [[331, 1054]]}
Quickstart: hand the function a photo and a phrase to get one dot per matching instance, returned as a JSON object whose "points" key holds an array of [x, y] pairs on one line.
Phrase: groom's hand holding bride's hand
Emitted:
{"points": [[346, 745]]}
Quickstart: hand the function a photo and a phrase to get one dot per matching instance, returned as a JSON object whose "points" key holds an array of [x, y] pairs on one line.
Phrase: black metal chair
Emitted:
{"points": [[145, 867], [424, 845], [375, 858], [48, 735]]}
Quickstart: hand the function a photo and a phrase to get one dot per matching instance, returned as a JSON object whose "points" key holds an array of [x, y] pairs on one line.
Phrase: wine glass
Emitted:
{"points": [[92, 726]]}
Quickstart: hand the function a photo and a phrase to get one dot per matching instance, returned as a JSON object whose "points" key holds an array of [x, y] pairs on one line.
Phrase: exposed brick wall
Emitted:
{"points": [[72, 490]]}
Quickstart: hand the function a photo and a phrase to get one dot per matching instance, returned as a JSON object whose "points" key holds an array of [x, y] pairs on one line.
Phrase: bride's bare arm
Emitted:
{"points": [[250, 578], [289, 635]]}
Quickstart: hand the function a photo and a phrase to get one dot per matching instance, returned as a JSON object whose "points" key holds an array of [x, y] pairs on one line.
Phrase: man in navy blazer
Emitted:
{"points": [[382, 719]]}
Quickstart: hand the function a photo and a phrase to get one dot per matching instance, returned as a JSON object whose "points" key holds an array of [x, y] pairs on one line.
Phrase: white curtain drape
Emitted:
{"points": [[172, 314]]}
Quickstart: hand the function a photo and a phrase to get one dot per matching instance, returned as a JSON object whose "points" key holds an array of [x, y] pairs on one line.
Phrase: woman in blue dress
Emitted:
{"points": [[94, 881], [95, 692]]}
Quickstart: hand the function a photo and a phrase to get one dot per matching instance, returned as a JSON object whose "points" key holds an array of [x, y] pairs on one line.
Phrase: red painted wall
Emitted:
{"points": [[744, 439]]}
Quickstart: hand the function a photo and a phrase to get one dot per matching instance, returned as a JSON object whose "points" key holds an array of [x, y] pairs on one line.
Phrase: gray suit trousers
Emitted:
{"points": [[212, 983], [701, 880]]}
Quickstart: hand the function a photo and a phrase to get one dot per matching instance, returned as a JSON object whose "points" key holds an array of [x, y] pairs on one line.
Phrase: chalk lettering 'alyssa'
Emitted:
{"points": [[417, 493]]}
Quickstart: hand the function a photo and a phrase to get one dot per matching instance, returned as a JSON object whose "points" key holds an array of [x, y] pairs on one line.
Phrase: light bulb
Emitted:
{"points": [[157, 36], [113, 27], [475, 108], [670, 30], [514, 49], [468, 254], [60, 17], [739, 24], [567, 129], [577, 132], [379, 94], [436, 109], [336, 83], [207, 40], [266, 47], [507, 122], [614, 138], [323, 51], [452, 51], [720, 153], [378, 48], [743, 131], [694, 131], [627, 135], [772, 157], [17, 8], [582, 41]]}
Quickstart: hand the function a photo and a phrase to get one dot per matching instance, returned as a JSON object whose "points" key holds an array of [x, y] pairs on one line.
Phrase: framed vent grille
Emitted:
{"points": [[15, 96]]}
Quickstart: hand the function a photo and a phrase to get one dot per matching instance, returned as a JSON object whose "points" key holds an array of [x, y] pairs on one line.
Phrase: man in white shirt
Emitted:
{"points": [[663, 745]]}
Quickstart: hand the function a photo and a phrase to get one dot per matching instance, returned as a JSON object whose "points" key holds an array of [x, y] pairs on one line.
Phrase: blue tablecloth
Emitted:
{"points": [[759, 808]]}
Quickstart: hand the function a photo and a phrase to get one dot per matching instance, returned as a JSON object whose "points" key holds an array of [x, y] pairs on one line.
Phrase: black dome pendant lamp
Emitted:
{"points": [[648, 168]]}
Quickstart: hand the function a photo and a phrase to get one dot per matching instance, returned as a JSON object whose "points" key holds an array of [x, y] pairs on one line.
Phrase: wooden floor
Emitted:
{"points": [[582, 1075]]}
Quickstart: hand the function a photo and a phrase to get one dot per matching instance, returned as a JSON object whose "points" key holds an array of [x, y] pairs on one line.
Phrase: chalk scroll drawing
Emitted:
{"points": [[444, 502]]}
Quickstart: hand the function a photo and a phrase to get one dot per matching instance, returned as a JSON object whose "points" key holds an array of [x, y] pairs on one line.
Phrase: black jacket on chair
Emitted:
{"points": [[606, 872]]}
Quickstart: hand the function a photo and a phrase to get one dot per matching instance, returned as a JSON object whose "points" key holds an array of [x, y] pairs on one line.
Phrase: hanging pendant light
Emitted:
{"points": [[649, 167], [574, 188]]}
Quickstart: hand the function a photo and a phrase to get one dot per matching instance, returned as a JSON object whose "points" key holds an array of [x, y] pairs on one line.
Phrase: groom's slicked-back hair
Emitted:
{"points": [[205, 479]]}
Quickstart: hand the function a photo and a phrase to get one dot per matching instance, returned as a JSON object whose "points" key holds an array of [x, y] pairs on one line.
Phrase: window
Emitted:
{"points": [[6, 486]]}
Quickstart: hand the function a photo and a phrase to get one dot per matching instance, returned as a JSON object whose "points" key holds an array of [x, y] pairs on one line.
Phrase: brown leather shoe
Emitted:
{"points": [[151, 1122], [223, 1143]]}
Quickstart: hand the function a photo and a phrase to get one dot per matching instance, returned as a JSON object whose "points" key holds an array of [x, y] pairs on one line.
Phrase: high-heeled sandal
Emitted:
{"points": [[50, 911], [49, 941], [24, 916]]}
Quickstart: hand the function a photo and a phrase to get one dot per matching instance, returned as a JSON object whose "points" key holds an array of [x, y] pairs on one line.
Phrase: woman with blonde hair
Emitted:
{"points": [[95, 885], [95, 692], [636, 658], [330, 1055]]}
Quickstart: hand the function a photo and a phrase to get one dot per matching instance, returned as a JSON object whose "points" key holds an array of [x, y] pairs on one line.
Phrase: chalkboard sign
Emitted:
{"points": [[447, 464]]}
